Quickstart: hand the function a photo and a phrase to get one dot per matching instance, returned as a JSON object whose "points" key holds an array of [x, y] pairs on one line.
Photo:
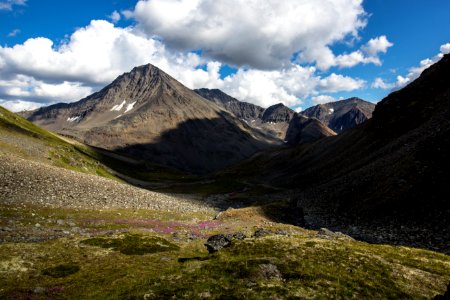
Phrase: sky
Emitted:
{"points": [[297, 52]]}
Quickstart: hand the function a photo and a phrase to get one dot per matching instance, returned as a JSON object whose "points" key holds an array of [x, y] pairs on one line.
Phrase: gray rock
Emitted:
{"points": [[217, 242], [324, 232], [260, 232], [236, 236], [269, 272]]}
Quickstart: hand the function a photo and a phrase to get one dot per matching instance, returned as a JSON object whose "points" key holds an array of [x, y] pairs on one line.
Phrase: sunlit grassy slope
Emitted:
{"points": [[126, 254]]}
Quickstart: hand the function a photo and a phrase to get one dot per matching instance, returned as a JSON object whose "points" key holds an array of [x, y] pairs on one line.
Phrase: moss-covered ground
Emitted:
{"points": [[139, 254]]}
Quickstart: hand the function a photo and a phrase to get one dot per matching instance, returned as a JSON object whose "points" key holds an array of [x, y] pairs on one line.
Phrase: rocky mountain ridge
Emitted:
{"points": [[274, 120], [147, 114], [388, 172], [343, 114]]}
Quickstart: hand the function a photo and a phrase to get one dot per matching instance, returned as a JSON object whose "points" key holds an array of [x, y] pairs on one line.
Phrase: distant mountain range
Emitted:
{"points": [[276, 119], [147, 114], [341, 115]]}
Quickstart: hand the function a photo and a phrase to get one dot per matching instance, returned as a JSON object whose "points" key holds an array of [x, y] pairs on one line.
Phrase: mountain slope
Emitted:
{"points": [[306, 130], [242, 110], [388, 172], [341, 115], [147, 114], [275, 120], [22, 138]]}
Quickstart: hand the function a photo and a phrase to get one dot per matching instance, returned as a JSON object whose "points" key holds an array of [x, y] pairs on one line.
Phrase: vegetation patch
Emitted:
{"points": [[60, 271], [133, 244]]}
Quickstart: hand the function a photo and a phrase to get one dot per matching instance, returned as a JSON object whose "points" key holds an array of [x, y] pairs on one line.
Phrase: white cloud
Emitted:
{"points": [[338, 83], [445, 49], [377, 45], [29, 89], [259, 33], [298, 109], [115, 16], [414, 72], [14, 32], [18, 105], [9, 4], [321, 99], [368, 54], [38, 71], [379, 83]]}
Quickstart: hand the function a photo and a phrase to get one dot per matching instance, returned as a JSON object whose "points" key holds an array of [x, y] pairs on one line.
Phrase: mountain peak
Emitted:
{"points": [[146, 113], [278, 113], [343, 114]]}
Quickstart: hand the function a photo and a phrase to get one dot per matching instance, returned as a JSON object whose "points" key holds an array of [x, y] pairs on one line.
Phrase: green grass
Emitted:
{"points": [[60, 271], [78, 157], [53, 149], [114, 265], [133, 244]]}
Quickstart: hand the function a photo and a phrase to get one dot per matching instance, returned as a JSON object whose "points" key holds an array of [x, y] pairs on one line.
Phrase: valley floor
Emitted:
{"points": [[67, 235]]}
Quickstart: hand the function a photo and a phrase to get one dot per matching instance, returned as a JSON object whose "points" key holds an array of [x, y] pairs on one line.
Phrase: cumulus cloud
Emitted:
{"points": [[41, 72], [367, 54], [9, 4], [260, 34], [321, 99], [445, 49], [377, 45], [414, 72], [338, 83], [18, 105], [115, 16], [379, 83]]}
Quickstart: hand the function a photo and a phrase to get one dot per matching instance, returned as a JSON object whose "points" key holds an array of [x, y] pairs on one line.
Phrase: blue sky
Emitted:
{"points": [[53, 51]]}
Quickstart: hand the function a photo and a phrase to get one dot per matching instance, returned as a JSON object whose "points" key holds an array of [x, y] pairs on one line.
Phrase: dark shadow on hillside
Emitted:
{"points": [[201, 146]]}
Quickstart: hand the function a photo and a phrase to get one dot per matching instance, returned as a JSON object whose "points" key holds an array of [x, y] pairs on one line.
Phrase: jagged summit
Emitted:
{"points": [[277, 113], [343, 114], [242, 110]]}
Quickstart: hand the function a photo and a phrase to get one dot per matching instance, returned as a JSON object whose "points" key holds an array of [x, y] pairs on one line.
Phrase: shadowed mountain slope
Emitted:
{"points": [[306, 130], [275, 120], [141, 108], [341, 115], [388, 171], [242, 110]]}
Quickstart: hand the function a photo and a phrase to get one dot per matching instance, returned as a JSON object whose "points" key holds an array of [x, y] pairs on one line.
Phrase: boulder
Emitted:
{"points": [[217, 242]]}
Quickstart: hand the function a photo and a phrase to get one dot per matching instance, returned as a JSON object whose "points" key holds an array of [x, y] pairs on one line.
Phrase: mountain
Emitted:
{"points": [[242, 110], [275, 120], [306, 130], [277, 113], [387, 176], [341, 115], [149, 115]]}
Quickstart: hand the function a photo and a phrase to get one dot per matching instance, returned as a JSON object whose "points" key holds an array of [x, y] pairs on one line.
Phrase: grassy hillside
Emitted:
{"points": [[142, 254], [21, 137]]}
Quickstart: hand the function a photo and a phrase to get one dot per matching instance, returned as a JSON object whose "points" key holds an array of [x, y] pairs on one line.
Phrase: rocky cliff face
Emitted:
{"points": [[341, 115], [274, 121], [148, 114], [242, 110]]}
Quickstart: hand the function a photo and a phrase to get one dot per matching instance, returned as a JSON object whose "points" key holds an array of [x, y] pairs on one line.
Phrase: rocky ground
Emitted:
{"points": [[69, 235], [25, 181]]}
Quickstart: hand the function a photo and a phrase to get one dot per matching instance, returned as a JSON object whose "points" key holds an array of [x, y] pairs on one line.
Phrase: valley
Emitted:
{"points": [[107, 198]]}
